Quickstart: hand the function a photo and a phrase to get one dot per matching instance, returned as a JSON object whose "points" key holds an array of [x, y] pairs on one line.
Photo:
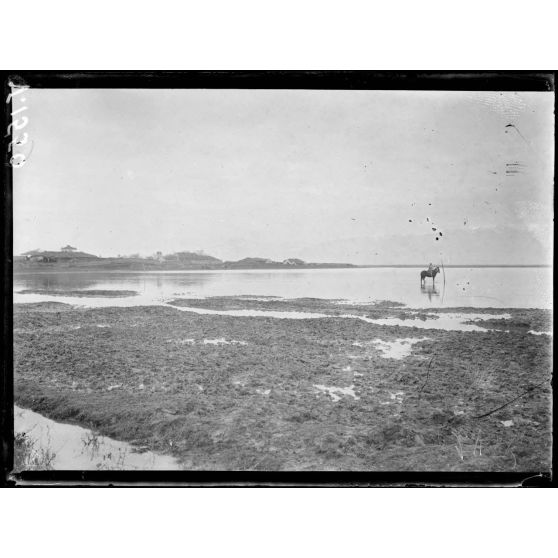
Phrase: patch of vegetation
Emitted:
{"points": [[29, 457]]}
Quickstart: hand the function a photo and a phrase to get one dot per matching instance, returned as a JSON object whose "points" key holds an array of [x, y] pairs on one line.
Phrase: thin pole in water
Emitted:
{"points": [[444, 273]]}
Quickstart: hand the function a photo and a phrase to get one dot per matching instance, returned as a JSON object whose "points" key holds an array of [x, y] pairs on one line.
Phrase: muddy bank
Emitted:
{"points": [[253, 302], [91, 293], [228, 392]]}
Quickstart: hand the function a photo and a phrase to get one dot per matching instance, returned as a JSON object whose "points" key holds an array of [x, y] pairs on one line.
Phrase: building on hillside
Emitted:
{"points": [[68, 248], [39, 256], [53, 256]]}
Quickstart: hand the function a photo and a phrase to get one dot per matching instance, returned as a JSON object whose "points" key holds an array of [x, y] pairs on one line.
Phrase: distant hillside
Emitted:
{"points": [[38, 259], [265, 263], [53, 256], [252, 263], [192, 258]]}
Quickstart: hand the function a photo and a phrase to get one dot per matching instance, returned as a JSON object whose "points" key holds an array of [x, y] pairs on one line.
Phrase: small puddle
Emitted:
{"points": [[532, 332], [223, 341], [333, 391], [115, 386], [398, 349], [182, 341], [79, 448], [396, 397], [220, 341]]}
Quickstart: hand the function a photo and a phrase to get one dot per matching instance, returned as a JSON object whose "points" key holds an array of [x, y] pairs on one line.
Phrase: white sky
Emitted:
{"points": [[321, 175]]}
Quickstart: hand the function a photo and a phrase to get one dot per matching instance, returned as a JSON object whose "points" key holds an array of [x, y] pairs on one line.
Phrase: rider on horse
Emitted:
{"points": [[431, 272]]}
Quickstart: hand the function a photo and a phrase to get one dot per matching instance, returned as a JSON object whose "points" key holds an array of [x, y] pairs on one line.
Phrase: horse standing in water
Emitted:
{"points": [[433, 273]]}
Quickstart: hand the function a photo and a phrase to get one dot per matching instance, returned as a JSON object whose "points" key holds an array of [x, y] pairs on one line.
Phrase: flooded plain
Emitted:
{"points": [[205, 365]]}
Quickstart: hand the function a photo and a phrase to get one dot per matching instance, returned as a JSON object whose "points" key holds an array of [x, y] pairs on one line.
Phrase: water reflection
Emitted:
{"points": [[429, 291], [56, 281], [72, 281]]}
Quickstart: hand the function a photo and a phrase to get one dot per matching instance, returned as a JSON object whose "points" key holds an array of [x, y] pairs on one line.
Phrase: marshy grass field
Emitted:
{"points": [[256, 383]]}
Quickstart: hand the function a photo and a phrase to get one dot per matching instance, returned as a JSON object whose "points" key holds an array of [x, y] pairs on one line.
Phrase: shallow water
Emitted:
{"points": [[464, 287], [79, 448], [398, 349], [223, 341], [447, 322], [282, 315]]}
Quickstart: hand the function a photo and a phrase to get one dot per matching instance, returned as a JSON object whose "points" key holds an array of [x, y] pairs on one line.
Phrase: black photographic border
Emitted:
{"points": [[543, 81]]}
